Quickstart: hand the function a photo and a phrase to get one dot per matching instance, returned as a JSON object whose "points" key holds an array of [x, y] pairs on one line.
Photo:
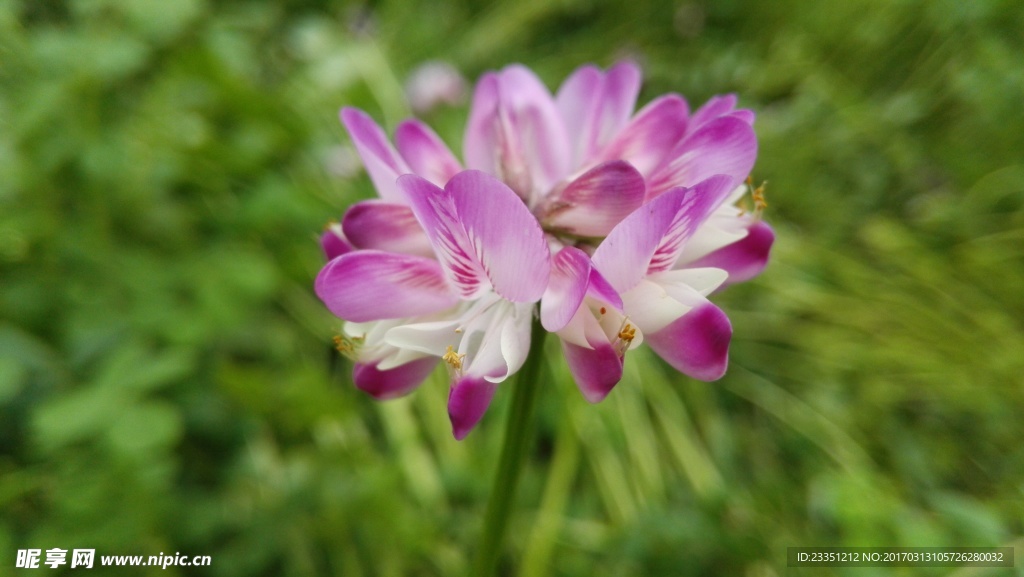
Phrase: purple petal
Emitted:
{"points": [[425, 152], [370, 285], [621, 87], [708, 195], [744, 115], [712, 109], [434, 83], [650, 239], [570, 274], [467, 402], [483, 234], [383, 164], [595, 202], [573, 278], [507, 238], [602, 290], [596, 371], [436, 211], [516, 133], [380, 225], [745, 258], [543, 136], [334, 243], [697, 343], [392, 383], [579, 103], [651, 135], [722, 146], [596, 106], [481, 147]]}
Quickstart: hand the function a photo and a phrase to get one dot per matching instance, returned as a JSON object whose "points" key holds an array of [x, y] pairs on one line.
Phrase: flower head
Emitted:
{"points": [[613, 226]]}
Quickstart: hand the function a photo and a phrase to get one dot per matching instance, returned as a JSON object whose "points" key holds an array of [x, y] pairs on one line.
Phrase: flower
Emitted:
{"points": [[619, 224], [433, 83], [665, 303], [473, 304], [537, 143]]}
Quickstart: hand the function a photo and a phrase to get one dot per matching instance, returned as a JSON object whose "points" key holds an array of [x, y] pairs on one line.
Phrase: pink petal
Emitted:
{"points": [[579, 103], [596, 371], [483, 234], [595, 202], [369, 285], [650, 136], [744, 115], [712, 109], [650, 239], [570, 273], [467, 402], [572, 278], [506, 236], [333, 242], [725, 145], [697, 343], [481, 144], [745, 258], [381, 225], [392, 383], [383, 164], [707, 196], [426, 153], [621, 87], [436, 211], [543, 136], [602, 290], [516, 133], [596, 106]]}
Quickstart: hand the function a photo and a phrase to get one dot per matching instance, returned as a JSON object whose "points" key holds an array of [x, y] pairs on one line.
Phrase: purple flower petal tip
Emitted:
{"points": [[745, 258], [596, 371], [594, 203], [697, 343], [387, 226], [382, 161], [333, 242], [371, 285], [467, 403], [392, 383]]}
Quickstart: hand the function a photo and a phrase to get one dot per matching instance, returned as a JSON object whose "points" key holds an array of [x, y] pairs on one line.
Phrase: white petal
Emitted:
{"points": [[650, 307], [702, 280]]}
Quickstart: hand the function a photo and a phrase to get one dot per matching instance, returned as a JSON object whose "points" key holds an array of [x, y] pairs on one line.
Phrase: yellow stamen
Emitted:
{"points": [[624, 338], [348, 346], [453, 359], [758, 195]]}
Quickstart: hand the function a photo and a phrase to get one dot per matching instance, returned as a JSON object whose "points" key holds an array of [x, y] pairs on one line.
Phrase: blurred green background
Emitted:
{"points": [[167, 382]]}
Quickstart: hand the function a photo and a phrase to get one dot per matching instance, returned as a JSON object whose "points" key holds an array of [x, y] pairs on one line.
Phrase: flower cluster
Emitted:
{"points": [[619, 224]]}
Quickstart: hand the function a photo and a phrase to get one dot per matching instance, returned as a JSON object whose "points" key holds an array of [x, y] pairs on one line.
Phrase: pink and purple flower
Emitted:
{"points": [[611, 226]]}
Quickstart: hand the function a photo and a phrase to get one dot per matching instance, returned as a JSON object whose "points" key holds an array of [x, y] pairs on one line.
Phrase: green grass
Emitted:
{"points": [[167, 382]]}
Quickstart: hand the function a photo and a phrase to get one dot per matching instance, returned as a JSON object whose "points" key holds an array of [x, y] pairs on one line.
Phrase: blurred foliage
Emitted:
{"points": [[166, 377]]}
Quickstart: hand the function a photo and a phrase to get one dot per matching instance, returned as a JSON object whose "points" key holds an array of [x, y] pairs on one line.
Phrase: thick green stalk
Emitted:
{"points": [[518, 433]]}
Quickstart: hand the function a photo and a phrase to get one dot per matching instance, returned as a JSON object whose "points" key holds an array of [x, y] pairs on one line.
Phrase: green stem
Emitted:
{"points": [[518, 431]]}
